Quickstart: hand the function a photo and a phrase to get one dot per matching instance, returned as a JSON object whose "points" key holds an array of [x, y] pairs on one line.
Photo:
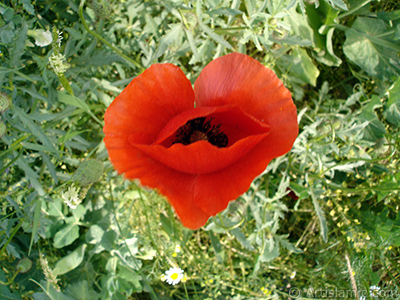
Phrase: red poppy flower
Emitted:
{"points": [[200, 147]]}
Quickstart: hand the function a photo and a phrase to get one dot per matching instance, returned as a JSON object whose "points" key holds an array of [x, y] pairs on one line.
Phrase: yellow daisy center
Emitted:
{"points": [[174, 276]]}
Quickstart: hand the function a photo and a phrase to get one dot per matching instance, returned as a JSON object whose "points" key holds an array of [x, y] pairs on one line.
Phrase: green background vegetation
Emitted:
{"points": [[328, 210]]}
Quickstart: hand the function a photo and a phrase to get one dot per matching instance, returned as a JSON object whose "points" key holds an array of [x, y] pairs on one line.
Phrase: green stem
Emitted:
{"points": [[186, 292], [10, 238], [103, 40], [351, 11], [65, 83], [11, 280]]}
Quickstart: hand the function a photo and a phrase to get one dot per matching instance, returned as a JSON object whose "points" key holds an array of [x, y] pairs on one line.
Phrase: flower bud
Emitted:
{"points": [[24, 265], [88, 172], [5, 102], [101, 8]]}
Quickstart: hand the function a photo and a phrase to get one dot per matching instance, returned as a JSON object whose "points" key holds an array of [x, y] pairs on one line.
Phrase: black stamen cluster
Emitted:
{"points": [[198, 127]]}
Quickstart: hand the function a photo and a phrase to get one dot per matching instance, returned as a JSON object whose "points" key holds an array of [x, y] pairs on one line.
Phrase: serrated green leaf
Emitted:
{"points": [[66, 235], [50, 167], [288, 245], [242, 238], [192, 44], [217, 38], [171, 36], [225, 11], [30, 175], [34, 129], [38, 147], [70, 262], [271, 250], [321, 216], [19, 45]]}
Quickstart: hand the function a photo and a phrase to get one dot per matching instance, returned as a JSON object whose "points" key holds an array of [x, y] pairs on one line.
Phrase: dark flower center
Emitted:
{"points": [[199, 129]]}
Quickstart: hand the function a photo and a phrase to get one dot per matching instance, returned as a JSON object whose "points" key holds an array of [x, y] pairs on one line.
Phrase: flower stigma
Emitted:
{"points": [[201, 130]]}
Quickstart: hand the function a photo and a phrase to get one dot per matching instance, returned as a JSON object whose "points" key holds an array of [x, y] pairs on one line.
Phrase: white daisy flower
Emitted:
{"points": [[293, 275], [174, 275], [374, 290], [71, 197]]}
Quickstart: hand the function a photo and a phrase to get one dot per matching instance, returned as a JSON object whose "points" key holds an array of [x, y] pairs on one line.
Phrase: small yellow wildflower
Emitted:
{"points": [[266, 291]]}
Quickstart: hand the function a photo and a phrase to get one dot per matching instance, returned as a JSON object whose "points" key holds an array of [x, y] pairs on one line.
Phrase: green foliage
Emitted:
{"points": [[333, 197]]}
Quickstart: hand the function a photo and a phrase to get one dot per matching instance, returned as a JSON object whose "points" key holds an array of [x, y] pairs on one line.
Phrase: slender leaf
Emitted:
{"points": [[36, 218], [321, 217], [33, 128]]}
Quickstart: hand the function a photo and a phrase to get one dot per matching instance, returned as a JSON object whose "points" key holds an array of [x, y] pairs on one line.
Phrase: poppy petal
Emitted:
{"points": [[214, 191], [200, 157], [151, 99], [176, 186], [237, 79]]}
